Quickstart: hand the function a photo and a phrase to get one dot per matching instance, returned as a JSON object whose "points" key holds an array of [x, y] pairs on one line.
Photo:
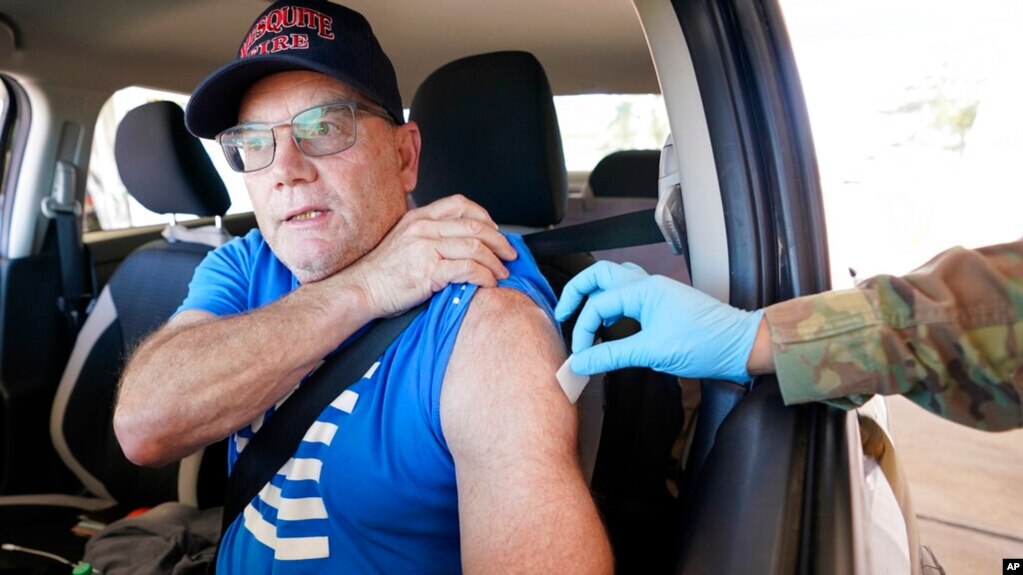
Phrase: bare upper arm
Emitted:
{"points": [[512, 433], [500, 380]]}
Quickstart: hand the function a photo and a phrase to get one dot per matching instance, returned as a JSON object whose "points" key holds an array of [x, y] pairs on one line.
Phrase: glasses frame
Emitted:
{"points": [[272, 127]]}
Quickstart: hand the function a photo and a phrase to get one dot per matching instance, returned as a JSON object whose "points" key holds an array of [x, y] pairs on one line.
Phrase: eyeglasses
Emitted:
{"points": [[319, 131]]}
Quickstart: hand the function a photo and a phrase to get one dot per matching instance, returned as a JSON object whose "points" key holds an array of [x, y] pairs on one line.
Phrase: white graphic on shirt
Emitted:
{"points": [[346, 401], [285, 548], [301, 469], [293, 509], [298, 509], [320, 432]]}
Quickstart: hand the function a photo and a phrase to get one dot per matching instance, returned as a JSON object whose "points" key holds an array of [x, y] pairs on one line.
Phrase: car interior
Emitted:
{"points": [[689, 476]]}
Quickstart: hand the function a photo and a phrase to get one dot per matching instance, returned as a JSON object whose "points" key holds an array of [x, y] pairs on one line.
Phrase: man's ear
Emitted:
{"points": [[408, 142]]}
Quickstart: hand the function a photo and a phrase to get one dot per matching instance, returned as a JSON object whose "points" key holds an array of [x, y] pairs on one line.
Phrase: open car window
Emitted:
{"points": [[915, 114]]}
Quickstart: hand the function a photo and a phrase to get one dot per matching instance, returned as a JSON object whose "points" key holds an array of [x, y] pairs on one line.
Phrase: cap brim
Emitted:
{"points": [[213, 106]]}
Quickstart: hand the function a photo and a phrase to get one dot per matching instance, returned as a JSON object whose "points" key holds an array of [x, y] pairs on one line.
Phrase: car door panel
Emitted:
{"points": [[35, 345], [773, 495]]}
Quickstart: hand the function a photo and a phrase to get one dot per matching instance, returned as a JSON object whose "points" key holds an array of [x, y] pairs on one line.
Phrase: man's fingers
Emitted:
{"points": [[472, 249], [463, 228], [454, 207], [462, 271], [468, 228]]}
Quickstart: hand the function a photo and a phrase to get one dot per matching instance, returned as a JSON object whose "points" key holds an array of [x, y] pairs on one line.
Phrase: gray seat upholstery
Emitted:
{"points": [[623, 182]]}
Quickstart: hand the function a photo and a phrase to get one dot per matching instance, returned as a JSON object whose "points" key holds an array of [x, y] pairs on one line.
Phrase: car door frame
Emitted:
{"points": [[771, 490]]}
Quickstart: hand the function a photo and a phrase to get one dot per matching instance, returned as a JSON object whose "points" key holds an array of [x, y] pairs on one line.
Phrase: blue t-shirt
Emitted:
{"points": [[371, 488]]}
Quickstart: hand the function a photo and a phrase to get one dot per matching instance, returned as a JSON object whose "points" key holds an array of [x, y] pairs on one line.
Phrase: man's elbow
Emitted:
{"points": [[139, 445]]}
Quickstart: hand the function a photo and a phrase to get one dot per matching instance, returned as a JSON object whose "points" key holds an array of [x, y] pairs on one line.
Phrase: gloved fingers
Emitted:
{"points": [[582, 285], [585, 330], [611, 320], [633, 351], [602, 308], [602, 275]]}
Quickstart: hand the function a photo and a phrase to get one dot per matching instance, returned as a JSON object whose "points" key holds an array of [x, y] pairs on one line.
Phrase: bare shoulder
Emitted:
{"points": [[500, 378], [509, 316]]}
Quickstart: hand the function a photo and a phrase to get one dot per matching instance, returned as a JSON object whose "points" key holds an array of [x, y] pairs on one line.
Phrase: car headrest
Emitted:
{"points": [[164, 167], [490, 133], [626, 174]]}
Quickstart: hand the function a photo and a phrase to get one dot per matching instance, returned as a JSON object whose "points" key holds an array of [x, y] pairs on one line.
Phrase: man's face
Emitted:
{"points": [[321, 214]]}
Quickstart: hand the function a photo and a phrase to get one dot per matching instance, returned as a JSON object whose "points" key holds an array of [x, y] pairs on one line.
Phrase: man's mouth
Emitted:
{"points": [[306, 215]]}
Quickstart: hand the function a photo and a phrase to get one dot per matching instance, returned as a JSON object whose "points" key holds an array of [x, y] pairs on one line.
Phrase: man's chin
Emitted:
{"points": [[310, 261], [314, 271]]}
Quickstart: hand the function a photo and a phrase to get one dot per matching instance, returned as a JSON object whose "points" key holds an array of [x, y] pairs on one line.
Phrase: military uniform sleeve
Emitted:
{"points": [[948, 336]]}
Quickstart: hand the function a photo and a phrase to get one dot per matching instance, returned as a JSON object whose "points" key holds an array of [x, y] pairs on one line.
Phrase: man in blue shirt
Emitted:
{"points": [[456, 450]]}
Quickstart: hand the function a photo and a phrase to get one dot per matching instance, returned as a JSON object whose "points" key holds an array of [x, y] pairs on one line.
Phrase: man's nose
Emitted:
{"points": [[290, 165]]}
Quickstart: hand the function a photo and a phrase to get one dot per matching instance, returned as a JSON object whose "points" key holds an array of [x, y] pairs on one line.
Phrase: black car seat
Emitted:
{"points": [[490, 132], [167, 170], [623, 182]]}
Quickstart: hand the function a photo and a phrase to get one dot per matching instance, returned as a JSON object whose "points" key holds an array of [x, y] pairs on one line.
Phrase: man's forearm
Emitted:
{"points": [[190, 385]]}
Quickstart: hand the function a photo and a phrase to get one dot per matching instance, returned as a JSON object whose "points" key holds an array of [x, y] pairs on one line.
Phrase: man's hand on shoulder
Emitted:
{"points": [[523, 503], [452, 240]]}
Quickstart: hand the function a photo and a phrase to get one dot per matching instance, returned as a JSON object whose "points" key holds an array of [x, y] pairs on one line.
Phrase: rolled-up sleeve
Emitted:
{"points": [[948, 336]]}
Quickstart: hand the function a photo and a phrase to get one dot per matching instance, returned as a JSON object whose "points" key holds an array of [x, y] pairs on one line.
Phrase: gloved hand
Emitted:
{"points": [[684, 331]]}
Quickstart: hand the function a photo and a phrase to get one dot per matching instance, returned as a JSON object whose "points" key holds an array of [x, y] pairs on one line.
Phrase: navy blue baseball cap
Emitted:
{"points": [[314, 35]]}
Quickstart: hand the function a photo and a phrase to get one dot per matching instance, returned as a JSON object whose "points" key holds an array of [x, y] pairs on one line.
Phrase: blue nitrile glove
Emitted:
{"points": [[684, 331]]}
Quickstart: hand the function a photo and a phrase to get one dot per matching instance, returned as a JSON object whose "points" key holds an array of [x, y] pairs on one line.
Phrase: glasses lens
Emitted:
{"points": [[248, 148], [325, 130]]}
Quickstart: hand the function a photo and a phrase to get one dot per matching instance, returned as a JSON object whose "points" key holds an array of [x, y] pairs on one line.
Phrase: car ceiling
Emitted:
{"points": [[585, 46]]}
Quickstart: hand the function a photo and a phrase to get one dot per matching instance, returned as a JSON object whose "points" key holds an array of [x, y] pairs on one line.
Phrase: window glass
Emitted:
{"points": [[594, 125], [916, 115], [108, 205]]}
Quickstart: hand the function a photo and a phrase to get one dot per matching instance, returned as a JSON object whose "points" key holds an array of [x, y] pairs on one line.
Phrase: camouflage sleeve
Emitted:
{"points": [[948, 336]]}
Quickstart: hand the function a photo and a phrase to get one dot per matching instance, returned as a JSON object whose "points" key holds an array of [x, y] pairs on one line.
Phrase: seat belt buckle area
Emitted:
{"points": [[52, 208], [61, 199], [76, 305], [669, 213]]}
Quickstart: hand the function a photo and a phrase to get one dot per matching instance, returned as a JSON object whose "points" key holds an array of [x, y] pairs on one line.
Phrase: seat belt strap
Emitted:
{"points": [[279, 438], [61, 207], [623, 231]]}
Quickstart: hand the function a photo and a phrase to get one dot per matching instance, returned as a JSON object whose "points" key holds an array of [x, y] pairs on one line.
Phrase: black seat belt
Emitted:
{"points": [[280, 436], [626, 230], [66, 212]]}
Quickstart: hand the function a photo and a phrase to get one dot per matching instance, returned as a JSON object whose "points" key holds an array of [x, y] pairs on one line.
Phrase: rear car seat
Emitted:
{"points": [[490, 132], [623, 182], [167, 170]]}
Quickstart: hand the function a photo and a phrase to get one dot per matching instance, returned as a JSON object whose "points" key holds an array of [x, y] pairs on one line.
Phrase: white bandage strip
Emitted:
{"points": [[571, 382]]}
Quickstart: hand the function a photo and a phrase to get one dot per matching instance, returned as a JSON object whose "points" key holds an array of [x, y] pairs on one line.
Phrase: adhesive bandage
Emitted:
{"points": [[571, 382]]}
